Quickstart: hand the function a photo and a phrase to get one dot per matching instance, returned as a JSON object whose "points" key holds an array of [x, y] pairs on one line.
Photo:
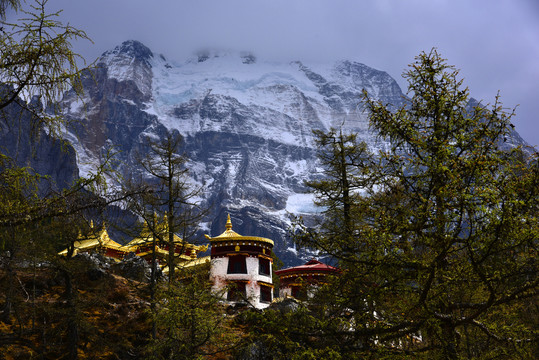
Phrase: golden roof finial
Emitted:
{"points": [[228, 223], [165, 221], [91, 224], [145, 229], [154, 220]]}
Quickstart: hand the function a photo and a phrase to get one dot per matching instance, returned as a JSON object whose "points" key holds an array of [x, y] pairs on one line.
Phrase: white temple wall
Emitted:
{"points": [[218, 274], [219, 277]]}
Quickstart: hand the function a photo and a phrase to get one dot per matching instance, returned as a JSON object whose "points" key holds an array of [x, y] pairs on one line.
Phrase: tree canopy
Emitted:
{"points": [[439, 245]]}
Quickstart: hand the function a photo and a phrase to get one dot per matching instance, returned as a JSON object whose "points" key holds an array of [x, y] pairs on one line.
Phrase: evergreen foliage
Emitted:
{"points": [[164, 192], [190, 319], [36, 66], [438, 234]]}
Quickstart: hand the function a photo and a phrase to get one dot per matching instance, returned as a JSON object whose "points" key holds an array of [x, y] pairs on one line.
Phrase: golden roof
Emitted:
{"points": [[101, 239], [163, 254], [147, 237], [230, 234], [188, 264]]}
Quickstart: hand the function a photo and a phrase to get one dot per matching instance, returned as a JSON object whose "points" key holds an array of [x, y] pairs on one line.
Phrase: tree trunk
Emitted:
{"points": [[8, 298], [449, 342], [72, 326], [153, 280]]}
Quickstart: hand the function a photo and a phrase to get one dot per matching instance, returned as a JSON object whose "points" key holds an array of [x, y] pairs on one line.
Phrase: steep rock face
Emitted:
{"points": [[247, 126], [25, 142], [111, 110]]}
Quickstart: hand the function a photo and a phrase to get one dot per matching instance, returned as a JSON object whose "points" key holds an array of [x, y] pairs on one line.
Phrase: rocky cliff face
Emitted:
{"points": [[247, 125], [26, 144]]}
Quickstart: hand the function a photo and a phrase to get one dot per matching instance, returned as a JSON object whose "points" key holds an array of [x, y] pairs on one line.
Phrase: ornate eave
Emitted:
{"points": [[230, 235], [147, 237]]}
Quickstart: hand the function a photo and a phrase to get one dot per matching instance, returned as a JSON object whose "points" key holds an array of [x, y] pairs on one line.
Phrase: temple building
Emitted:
{"points": [[97, 241], [296, 281], [185, 254], [241, 267]]}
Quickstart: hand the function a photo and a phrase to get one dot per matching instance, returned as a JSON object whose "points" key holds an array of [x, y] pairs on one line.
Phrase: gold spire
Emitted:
{"points": [[165, 221], [91, 224], [231, 235], [228, 223]]}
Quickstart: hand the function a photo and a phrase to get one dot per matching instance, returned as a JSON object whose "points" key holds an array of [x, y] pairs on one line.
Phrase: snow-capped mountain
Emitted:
{"points": [[247, 125]]}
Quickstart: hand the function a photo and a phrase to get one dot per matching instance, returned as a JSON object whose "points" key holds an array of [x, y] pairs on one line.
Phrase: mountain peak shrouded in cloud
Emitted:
{"points": [[136, 50], [202, 55], [131, 48]]}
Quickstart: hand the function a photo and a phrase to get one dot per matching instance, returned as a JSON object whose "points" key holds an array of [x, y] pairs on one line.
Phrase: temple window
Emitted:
{"points": [[237, 265], [265, 294], [264, 267]]}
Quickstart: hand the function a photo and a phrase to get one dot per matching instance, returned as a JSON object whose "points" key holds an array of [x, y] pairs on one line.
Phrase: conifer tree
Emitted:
{"points": [[190, 319], [441, 259], [346, 172], [37, 64], [165, 200], [171, 196], [37, 60]]}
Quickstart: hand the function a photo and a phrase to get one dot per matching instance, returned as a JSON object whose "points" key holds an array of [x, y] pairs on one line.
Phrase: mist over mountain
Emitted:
{"points": [[247, 125]]}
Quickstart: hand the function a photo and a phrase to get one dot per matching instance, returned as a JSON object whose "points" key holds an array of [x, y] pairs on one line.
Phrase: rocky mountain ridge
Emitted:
{"points": [[247, 126]]}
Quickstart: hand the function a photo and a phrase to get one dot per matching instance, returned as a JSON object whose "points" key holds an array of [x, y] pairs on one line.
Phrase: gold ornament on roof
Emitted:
{"points": [[228, 223], [230, 234]]}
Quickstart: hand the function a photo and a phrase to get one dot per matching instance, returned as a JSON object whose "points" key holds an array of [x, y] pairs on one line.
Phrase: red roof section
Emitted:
{"points": [[309, 267]]}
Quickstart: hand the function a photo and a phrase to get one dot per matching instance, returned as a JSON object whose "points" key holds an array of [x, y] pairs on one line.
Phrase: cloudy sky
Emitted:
{"points": [[495, 43]]}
